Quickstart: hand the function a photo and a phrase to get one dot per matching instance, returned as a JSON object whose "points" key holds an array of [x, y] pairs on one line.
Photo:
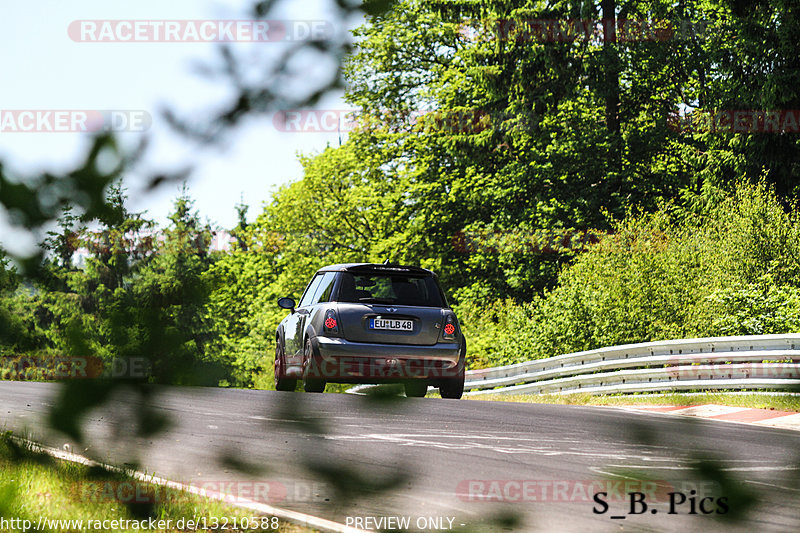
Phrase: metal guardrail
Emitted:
{"points": [[687, 364]]}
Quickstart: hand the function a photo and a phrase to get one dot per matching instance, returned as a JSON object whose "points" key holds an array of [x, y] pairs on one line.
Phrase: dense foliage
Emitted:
{"points": [[660, 276], [482, 152]]}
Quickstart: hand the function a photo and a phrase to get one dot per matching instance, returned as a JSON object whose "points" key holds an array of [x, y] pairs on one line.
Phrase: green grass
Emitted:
{"points": [[757, 401], [33, 484]]}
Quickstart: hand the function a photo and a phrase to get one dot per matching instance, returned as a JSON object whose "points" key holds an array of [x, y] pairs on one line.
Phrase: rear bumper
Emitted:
{"points": [[342, 361]]}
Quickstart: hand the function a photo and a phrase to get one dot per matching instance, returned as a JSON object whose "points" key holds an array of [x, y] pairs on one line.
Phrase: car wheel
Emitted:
{"points": [[310, 383], [416, 389], [282, 383], [452, 388]]}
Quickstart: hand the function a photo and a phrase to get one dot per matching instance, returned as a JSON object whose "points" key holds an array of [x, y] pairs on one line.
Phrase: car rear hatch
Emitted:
{"points": [[390, 324], [392, 304]]}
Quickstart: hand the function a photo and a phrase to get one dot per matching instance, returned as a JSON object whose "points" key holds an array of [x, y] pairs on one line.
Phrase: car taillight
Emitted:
{"points": [[331, 324], [449, 330]]}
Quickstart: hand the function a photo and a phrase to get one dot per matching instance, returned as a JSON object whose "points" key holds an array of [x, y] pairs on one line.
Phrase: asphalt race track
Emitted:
{"points": [[466, 462]]}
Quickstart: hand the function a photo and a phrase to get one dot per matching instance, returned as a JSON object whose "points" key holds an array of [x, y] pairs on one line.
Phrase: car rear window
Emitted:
{"points": [[394, 289]]}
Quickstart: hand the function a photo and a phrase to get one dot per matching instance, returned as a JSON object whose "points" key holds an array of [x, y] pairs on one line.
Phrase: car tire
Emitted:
{"points": [[453, 388], [310, 384], [415, 389], [282, 383]]}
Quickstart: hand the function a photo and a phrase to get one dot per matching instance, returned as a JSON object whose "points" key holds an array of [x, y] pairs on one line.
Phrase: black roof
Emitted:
{"points": [[376, 267]]}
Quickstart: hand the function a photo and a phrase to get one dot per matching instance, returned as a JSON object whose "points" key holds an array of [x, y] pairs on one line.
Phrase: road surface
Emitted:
{"points": [[462, 465]]}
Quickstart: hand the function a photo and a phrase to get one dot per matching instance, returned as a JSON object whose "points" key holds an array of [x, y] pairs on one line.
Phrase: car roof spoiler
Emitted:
{"points": [[388, 268]]}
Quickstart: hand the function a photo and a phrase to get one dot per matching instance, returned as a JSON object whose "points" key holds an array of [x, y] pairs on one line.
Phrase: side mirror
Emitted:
{"points": [[286, 303]]}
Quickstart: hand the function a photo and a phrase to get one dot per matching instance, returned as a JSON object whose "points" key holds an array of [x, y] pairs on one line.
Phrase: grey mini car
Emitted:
{"points": [[371, 323]]}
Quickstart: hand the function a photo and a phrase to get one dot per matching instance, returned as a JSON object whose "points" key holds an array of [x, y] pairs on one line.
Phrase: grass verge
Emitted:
{"points": [[34, 485], [756, 401]]}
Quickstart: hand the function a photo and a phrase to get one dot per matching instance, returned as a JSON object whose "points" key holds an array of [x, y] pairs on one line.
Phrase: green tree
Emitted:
{"points": [[760, 73], [168, 301], [345, 209], [552, 139]]}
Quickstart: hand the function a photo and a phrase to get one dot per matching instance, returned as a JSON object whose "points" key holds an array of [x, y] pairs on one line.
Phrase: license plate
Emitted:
{"points": [[391, 324]]}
